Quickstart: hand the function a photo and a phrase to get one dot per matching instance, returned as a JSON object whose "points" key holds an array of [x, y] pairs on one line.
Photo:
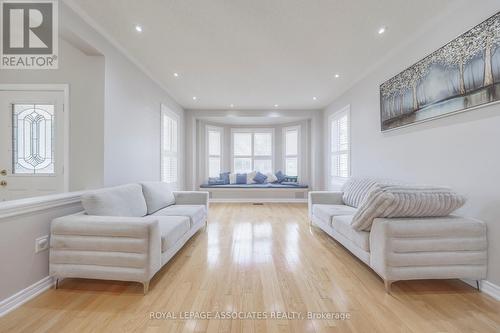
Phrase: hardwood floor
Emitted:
{"points": [[255, 259]]}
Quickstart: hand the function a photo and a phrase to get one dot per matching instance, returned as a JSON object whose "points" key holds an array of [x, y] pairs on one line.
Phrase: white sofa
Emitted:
{"points": [[405, 248], [126, 233]]}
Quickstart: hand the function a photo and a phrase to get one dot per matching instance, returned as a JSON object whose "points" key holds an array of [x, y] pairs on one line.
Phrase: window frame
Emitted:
{"points": [[208, 129], [299, 151], [165, 111], [335, 180], [252, 155]]}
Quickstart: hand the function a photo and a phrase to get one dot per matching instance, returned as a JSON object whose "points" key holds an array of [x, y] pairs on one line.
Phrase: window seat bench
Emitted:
{"points": [[257, 193]]}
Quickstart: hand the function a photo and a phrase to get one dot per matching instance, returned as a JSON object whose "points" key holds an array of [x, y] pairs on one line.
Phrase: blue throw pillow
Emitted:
{"points": [[241, 178], [260, 178], [281, 176], [215, 181], [224, 176]]}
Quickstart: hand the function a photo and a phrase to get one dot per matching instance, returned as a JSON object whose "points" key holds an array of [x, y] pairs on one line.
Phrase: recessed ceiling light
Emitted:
{"points": [[315, 98], [381, 30], [231, 105], [195, 98], [176, 74], [276, 105], [138, 28], [337, 76]]}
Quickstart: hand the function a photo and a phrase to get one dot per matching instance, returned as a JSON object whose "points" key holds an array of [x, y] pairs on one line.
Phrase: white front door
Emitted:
{"points": [[31, 143]]}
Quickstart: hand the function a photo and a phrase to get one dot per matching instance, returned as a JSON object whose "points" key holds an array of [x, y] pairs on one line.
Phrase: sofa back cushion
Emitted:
{"points": [[158, 195], [405, 201], [355, 190], [124, 200]]}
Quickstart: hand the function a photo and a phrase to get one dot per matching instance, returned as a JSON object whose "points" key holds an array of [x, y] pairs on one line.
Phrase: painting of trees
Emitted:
{"points": [[438, 84]]}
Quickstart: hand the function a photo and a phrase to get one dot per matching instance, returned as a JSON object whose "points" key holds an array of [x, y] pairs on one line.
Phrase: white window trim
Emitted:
{"points": [[252, 156], [334, 182], [209, 128], [299, 151], [169, 113]]}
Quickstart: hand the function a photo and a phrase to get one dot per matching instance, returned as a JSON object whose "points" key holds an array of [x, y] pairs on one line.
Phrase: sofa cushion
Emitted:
{"points": [[356, 189], [124, 200], [342, 224], [172, 228], [158, 195], [406, 201], [326, 212], [196, 213]]}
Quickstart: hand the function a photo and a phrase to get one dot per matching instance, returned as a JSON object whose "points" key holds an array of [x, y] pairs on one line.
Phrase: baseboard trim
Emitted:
{"points": [[25, 295], [490, 289], [257, 200]]}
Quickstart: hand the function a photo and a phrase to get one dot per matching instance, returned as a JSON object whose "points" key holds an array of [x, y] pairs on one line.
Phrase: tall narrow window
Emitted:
{"points": [[214, 150], [252, 150], [291, 139], [339, 146], [169, 147]]}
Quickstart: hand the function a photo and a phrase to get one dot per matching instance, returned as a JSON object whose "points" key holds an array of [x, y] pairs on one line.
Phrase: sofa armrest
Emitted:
{"points": [[428, 248], [191, 198], [324, 197], [107, 235]]}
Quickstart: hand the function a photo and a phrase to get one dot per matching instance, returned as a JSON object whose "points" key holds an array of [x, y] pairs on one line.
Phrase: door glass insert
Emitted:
{"points": [[33, 139]]}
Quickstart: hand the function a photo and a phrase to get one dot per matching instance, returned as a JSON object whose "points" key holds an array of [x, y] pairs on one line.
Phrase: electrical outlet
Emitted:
{"points": [[41, 243]]}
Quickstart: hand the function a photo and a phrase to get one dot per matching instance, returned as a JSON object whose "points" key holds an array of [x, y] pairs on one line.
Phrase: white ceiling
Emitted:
{"points": [[257, 53]]}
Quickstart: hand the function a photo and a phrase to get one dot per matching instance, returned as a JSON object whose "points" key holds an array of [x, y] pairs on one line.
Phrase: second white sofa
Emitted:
{"points": [[399, 248], [126, 233]]}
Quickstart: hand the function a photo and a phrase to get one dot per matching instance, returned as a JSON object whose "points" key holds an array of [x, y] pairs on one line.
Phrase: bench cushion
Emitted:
{"points": [[326, 212], [196, 213], [172, 228]]}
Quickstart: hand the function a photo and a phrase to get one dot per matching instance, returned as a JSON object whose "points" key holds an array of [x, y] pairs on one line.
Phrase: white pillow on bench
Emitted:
{"points": [[405, 201]]}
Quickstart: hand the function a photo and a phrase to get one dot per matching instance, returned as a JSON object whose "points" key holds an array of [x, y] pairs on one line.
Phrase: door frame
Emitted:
{"points": [[59, 87]]}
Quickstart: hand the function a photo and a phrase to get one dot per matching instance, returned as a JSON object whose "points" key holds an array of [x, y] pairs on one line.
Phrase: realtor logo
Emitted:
{"points": [[29, 34]]}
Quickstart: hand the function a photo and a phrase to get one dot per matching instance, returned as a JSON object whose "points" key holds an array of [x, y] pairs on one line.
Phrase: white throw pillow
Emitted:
{"points": [[124, 200], [271, 177], [405, 201], [232, 178], [251, 176], [158, 195]]}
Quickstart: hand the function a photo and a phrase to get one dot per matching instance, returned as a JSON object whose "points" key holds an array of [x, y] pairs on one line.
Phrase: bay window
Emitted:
{"points": [[214, 151], [291, 139]]}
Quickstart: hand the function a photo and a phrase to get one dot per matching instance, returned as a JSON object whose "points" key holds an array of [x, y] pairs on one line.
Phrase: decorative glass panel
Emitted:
{"points": [[33, 139], [263, 144], [263, 166]]}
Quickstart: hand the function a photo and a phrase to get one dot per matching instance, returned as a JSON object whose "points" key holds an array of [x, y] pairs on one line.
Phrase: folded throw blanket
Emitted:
{"points": [[405, 201]]}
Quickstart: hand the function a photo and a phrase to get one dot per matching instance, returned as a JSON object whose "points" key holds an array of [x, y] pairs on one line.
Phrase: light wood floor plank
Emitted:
{"points": [[259, 259]]}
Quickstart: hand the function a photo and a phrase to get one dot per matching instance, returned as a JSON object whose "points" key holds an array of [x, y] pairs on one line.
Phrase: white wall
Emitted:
{"points": [[132, 109], [459, 151]]}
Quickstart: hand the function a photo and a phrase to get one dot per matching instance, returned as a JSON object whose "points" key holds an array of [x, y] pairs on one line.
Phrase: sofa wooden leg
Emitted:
{"points": [[146, 287], [477, 285], [388, 284], [56, 285]]}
